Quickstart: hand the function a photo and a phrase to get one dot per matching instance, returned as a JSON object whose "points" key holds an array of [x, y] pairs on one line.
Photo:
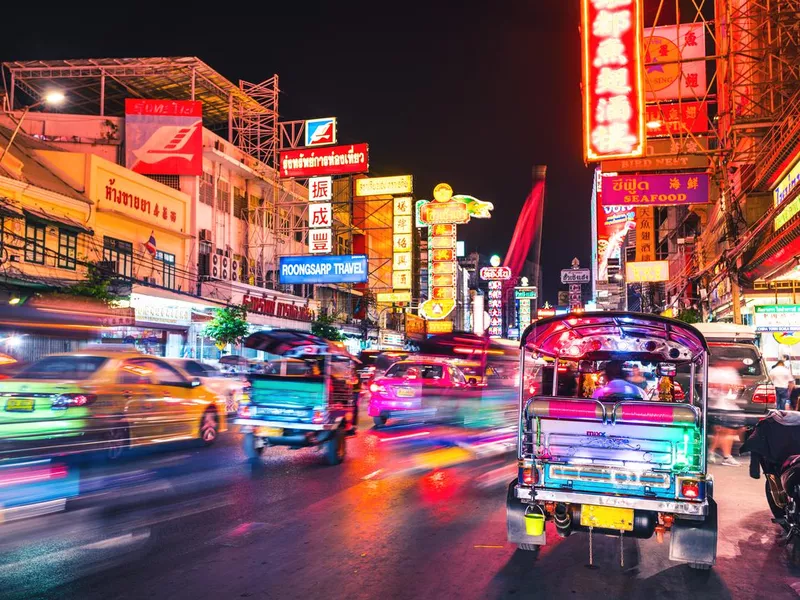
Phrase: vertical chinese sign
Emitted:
{"points": [[402, 244], [441, 216], [674, 57], [495, 308], [613, 79], [164, 137], [320, 215], [645, 233]]}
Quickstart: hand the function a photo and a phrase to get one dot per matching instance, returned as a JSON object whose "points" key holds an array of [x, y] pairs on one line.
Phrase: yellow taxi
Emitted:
{"points": [[108, 401]]}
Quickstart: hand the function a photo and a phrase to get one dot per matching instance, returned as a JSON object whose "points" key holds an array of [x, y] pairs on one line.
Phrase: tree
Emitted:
{"points": [[97, 285], [325, 327], [689, 315], [229, 325]]}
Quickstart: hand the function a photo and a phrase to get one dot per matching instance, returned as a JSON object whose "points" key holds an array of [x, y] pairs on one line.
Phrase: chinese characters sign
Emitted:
{"points": [[333, 160], [402, 244], [650, 271], [671, 119], [495, 305], [613, 87], [382, 186], [655, 190], [320, 224], [645, 234], [441, 216], [320, 189], [164, 137], [666, 77]]}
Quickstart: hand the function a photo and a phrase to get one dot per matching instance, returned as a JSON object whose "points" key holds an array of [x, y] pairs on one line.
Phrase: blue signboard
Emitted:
{"points": [[344, 268]]}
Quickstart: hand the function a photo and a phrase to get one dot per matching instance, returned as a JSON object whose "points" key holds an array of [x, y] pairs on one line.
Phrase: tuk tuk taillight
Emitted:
{"points": [[690, 489], [319, 416], [244, 411], [530, 475]]}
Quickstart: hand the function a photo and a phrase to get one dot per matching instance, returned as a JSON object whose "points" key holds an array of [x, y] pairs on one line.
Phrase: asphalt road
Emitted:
{"points": [[203, 523]]}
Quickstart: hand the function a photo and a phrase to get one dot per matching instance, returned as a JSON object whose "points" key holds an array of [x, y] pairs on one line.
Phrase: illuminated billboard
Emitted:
{"points": [[330, 160], [651, 271], [613, 79], [638, 189], [403, 243], [385, 186], [674, 57], [340, 268]]}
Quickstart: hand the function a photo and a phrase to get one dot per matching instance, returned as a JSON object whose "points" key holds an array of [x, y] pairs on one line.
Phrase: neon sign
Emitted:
{"points": [[613, 79]]}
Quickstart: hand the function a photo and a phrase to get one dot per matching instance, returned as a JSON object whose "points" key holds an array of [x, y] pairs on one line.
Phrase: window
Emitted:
{"points": [[409, 369], [283, 221], [207, 189], [120, 253], [741, 357], [239, 204], [164, 374], [342, 245], [197, 369], [67, 249], [63, 367], [34, 242], [204, 259], [133, 373], [223, 196], [173, 181], [168, 261], [269, 218]]}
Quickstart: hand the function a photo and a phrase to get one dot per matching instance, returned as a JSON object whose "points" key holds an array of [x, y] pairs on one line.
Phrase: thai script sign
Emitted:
{"points": [[782, 190], [576, 276], [656, 190], [382, 186], [275, 308], [164, 137], [501, 273], [613, 86], [341, 268], [393, 297], [335, 160], [649, 271], [777, 318], [672, 70]]}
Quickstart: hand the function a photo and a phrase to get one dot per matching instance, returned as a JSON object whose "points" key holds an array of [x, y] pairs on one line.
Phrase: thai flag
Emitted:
{"points": [[150, 245]]}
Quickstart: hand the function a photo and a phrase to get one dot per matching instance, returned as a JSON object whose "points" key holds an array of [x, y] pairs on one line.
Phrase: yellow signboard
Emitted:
{"points": [[393, 297], [383, 186], [436, 309], [647, 271], [439, 327], [645, 234], [782, 190]]}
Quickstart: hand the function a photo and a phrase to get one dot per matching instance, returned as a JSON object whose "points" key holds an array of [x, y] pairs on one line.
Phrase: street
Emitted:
{"points": [[399, 519]]}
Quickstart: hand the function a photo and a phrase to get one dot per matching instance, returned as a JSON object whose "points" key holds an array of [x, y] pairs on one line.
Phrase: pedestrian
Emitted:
{"points": [[724, 414], [784, 382]]}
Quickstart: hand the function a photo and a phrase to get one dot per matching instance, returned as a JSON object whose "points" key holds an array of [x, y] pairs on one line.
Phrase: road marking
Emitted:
{"points": [[405, 437], [487, 546], [371, 475]]}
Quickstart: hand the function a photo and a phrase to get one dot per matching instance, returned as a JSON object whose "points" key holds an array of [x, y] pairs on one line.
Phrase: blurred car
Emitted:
{"points": [[104, 401], [230, 386], [374, 363], [408, 384], [734, 346]]}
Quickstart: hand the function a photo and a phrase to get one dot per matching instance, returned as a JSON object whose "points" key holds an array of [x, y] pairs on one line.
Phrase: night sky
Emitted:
{"points": [[474, 96]]}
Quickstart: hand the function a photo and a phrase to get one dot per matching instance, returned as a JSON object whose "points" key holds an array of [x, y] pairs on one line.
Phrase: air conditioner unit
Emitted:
{"points": [[226, 266], [205, 235], [215, 266], [234, 270]]}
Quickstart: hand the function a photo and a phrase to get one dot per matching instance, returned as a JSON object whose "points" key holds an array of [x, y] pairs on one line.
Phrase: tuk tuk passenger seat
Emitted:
{"points": [[567, 408], [655, 413]]}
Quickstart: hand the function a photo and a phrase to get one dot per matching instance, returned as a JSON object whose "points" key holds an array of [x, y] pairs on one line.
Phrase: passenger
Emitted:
{"points": [[637, 378], [616, 386]]}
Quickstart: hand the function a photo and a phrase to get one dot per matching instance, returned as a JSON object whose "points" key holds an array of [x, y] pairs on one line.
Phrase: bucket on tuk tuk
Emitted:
{"points": [[534, 521]]}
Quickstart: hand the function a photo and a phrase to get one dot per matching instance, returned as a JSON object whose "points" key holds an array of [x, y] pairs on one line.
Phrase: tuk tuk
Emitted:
{"points": [[303, 399], [623, 453]]}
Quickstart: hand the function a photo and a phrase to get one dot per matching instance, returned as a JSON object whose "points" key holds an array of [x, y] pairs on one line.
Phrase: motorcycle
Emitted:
{"points": [[774, 447]]}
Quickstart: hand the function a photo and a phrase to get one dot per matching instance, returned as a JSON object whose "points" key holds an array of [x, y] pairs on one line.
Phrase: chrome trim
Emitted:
{"points": [[284, 425], [694, 409], [667, 506]]}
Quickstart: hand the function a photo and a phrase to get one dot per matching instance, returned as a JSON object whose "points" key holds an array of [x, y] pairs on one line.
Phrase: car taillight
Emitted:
{"points": [[690, 489], [764, 394], [72, 400], [376, 388]]}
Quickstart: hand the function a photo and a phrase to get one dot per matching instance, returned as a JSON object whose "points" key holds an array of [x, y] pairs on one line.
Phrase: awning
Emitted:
{"points": [[775, 253], [47, 217], [8, 208]]}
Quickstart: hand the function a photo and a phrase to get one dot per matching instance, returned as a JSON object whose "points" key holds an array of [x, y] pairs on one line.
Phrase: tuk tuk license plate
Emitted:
{"points": [[405, 393], [19, 404], [269, 432], [606, 517]]}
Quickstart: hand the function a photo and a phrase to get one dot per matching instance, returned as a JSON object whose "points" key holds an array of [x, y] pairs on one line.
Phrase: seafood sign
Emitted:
{"points": [[164, 137], [636, 189], [333, 160]]}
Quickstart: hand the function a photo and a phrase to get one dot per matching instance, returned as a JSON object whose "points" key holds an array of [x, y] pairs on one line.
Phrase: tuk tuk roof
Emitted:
{"points": [[291, 342], [575, 335]]}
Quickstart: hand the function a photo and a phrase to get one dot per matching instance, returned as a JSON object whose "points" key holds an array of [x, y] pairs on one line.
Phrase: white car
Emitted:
{"points": [[230, 386]]}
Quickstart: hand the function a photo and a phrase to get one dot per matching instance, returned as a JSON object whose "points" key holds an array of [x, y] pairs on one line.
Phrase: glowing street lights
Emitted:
{"points": [[54, 98]]}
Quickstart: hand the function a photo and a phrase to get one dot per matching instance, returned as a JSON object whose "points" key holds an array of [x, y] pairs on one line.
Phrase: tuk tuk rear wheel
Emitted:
{"points": [[379, 421], [336, 447], [251, 449]]}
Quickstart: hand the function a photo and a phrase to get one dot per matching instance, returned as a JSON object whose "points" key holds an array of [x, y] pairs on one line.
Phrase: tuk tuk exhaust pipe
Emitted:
{"points": [[563, 520]]}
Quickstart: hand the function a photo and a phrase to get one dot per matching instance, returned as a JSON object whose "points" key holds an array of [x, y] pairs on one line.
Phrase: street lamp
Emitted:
{"points": [[53, 97]]}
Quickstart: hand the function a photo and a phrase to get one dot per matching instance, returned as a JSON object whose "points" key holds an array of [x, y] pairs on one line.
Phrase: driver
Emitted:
{"points": [[616, 384]]}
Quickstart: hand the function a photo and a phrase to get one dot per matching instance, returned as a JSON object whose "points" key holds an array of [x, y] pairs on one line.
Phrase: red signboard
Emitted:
{"points": [[668, 119], [434, 213], [273, 308], [613, 79], [164, 137], [333, 160]]}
